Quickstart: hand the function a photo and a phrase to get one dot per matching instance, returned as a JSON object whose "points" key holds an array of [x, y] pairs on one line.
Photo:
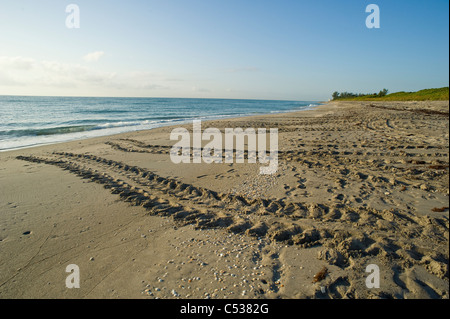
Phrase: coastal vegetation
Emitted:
{"points": [[435, 94]]}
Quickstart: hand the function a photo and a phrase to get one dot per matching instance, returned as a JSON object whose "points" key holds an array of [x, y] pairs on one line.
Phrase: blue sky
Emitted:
{"points": [[293, 50]]}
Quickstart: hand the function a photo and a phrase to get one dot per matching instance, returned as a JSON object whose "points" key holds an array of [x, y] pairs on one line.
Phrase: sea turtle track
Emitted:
{"points": [[404, 168], [352, 232]]}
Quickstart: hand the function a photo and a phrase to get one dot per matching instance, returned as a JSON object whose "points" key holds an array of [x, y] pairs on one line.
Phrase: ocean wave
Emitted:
{"points": [[106, 111], [61, 130], [121, 124], [48, 131]]}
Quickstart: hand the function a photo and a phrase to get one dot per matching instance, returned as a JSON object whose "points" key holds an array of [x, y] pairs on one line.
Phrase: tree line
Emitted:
{"points": [[348, 95]]}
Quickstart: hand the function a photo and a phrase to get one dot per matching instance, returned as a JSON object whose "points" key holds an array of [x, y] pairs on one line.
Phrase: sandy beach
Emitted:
{"points": [[358, 184]]}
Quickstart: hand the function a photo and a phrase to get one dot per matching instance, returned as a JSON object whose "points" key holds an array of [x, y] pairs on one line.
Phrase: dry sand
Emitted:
{"points": [[357, 184]]}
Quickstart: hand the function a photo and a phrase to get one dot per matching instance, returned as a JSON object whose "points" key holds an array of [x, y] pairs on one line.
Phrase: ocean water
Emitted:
{"points": [[27, 121]]}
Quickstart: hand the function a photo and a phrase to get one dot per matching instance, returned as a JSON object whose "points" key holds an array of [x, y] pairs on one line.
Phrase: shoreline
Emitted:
{"points": [[65, 139], [355, 186]]}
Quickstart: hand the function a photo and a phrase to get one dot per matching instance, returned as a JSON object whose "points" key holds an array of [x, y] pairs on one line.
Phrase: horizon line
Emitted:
{"points": [[163, 97]]}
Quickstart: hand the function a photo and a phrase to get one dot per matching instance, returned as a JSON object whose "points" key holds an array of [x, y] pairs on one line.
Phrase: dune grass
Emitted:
{"points": [[437, 94]]}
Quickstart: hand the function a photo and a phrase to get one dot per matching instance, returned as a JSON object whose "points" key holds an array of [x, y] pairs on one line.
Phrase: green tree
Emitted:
{"points": [[383, 92], [335, 95]]}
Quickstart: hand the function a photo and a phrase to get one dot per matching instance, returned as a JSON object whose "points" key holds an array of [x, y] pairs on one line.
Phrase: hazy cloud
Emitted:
{"points": [[93, 56], [202, 90], [28, 72], [18, 63]]}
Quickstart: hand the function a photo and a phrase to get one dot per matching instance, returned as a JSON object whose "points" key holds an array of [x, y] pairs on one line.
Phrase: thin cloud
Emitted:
{"points": [[28, 72], [17, 63], [93, 56], [202, 90]]}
